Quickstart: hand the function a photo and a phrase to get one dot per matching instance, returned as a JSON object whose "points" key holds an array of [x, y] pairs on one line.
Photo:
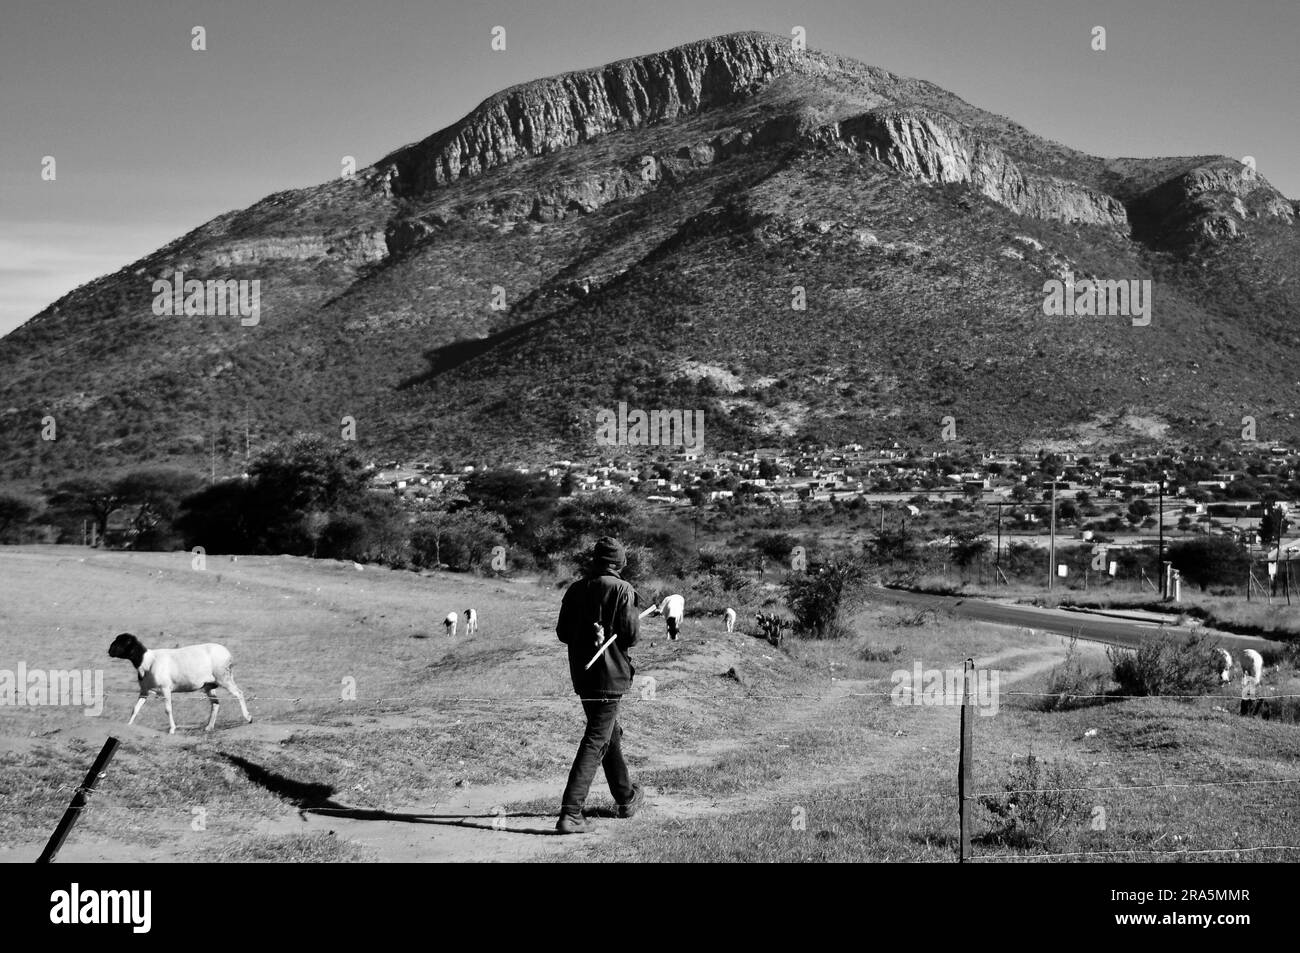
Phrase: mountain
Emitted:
{"points": [[640, 232]]}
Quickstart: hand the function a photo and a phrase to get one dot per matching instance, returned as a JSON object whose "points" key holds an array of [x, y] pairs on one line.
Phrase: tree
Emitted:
{"points": [[1214, 560], [526, 500], [459, 538], [776, 546], [309, 472], [1273, 527], [968, 546], [90, 497], [1022, 493], [1138, 510], [293, 491], [156, 493], [15, 512]]}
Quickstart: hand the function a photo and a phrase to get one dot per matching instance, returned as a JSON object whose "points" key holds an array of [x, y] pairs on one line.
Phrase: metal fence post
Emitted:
{"points": [[78, 802], [966, 757]]}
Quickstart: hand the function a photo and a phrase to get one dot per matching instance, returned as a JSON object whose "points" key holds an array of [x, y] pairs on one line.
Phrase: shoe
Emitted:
{"points": [[631, 807], [572, 824]]}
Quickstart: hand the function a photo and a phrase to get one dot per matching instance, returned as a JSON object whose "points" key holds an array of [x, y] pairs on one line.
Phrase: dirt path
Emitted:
{"points": [[472, 825]]}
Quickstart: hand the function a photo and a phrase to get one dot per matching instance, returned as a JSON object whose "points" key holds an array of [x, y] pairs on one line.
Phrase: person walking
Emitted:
{"points": [[598, 608]]}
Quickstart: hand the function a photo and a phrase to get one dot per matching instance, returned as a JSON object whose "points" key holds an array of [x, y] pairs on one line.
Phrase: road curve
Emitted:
{"points": [[1085, 625]]}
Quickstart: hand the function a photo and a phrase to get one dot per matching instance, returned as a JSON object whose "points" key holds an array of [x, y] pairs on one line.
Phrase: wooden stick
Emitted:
{"points": [[606, 644]]}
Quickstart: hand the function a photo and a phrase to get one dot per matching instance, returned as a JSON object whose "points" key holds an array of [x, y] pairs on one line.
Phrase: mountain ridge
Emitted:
{"points": [[567, 195]]}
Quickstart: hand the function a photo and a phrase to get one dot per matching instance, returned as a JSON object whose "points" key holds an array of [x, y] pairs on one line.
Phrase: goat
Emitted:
{"points": [[471, 622], [672, 609], [450, 623], [730, 618], [186, 669]]}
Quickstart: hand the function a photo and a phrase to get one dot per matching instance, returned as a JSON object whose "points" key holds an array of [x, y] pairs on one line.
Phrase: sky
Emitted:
{"points": [[151, 138]]}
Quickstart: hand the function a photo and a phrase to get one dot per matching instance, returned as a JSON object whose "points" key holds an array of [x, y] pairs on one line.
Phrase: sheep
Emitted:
{"points": [[450, 623], [471, 622], [730, 618], [1226, 672], [1253, 664], [185, 669], [672, 609]]}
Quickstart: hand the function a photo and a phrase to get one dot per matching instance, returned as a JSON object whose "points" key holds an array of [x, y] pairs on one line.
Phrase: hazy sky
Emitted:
{"points": [[152, 139]]}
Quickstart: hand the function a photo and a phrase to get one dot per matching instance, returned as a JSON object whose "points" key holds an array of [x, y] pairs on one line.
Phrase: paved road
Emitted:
{"points": [[1085, 625]]}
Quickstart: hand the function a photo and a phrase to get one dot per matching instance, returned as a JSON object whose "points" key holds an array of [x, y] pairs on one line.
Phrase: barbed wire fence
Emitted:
{"points": [[962, 694]]}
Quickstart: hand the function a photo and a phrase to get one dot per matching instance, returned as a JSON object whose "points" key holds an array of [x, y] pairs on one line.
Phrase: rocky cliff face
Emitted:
{"points": [[543, 116], [1211, 203], [553, 114], [935, 148]]}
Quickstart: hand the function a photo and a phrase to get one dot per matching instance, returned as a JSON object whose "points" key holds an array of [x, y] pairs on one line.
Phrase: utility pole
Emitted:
{"points": [[1051, 551], [1160, 561]]}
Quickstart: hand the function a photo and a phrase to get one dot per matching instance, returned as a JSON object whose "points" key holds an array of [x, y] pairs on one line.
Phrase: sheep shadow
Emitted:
{"points": [[311, 798]]}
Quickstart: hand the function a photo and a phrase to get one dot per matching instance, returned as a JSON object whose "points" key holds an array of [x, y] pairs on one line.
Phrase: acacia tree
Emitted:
{"points": [[90, 497], [156, 493]]}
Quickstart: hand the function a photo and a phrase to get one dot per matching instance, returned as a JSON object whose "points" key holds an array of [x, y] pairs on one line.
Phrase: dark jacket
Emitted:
{"points": [[609, 599]]}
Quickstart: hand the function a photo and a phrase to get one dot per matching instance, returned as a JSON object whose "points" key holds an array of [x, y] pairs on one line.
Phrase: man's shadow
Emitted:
{"points": [[318, 799]]}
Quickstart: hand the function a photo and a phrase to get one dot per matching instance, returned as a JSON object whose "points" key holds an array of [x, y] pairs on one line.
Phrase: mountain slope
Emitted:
{"points": [[646, 224]]}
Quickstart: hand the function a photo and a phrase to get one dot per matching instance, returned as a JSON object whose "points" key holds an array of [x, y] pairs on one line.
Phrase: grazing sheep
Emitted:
{"points": [[471, 622], [186, 669], [730, 618], [1225, 673], [450, 623], [672, 609], [1253, 664]]}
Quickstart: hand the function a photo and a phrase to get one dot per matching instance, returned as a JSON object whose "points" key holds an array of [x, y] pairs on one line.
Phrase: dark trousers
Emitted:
{"points": [[601, 746]]}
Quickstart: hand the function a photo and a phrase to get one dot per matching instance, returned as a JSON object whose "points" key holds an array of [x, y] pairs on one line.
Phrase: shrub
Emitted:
{"points": [[817, 597], [869, 654], [1071, 685], [1167, 666], [1041, 799]]}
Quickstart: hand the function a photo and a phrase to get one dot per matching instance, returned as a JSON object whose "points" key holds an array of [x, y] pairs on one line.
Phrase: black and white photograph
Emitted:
{"points": [[817, 432]]}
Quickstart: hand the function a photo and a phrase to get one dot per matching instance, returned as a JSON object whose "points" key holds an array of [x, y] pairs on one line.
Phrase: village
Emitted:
{"points": [[1126, 495]]}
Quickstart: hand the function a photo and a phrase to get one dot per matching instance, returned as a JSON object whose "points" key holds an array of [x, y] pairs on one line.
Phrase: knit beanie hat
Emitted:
{"points": [[609, 552]]}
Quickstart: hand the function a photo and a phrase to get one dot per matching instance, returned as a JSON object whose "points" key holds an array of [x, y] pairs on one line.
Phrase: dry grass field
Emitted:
{"points": [[457, 749]]}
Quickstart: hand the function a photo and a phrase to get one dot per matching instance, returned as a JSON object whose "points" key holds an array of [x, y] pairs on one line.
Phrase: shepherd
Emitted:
{"points": [[599, 615]]}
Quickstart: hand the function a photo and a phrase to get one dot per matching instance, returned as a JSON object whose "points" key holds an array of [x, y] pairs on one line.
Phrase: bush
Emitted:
{"points": [[869, 654], [1041, 799], [817, 597], [1167, 666], [1071, 685]]}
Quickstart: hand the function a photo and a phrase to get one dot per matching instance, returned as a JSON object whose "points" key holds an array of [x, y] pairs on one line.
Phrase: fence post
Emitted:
{"points": [[964, 762], [78, 802]]}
